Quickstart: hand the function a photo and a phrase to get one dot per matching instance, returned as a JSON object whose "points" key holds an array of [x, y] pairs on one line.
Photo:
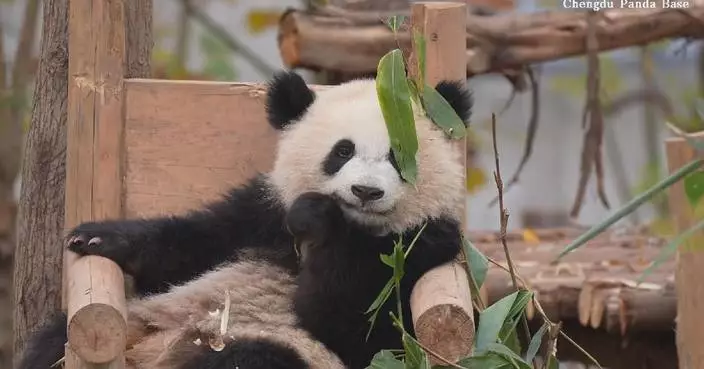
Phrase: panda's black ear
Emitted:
{"points": [[287, 99], [460, 98]]}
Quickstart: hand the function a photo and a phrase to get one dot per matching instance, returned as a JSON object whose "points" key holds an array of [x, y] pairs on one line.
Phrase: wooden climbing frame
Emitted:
{"points": [[146, 147]]}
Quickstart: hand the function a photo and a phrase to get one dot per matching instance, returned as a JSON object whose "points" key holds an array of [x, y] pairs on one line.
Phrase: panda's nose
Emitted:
{"points": [[366, 193]]}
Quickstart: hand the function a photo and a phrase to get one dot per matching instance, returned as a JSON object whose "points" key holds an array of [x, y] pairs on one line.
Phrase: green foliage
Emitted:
{"points": [[415, 357], [651, 174], [218, 58], [535, 342], [671, 248], [477, 264], [395, 101], [496, 320], [396, 261], [385, 359], [395, 22], [442, 114], [397, 92], [484, 360], [632, 205], [694, 187]]}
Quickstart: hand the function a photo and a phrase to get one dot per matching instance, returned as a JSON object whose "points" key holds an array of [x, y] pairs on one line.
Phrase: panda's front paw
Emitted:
{"points": [[315, 217], [98, 238]]}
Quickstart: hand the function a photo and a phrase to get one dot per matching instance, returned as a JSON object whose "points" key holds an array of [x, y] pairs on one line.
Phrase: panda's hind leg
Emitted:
{"points": [[46, 346], [249, 354]]}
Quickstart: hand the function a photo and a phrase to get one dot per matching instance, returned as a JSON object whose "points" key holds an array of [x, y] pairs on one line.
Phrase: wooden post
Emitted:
{"points": [[690, 262], [441, 302], [94, 286]]}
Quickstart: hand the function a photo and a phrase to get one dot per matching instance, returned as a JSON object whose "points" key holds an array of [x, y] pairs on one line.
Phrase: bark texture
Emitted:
{"points": [[39, 255], [37, 272]]}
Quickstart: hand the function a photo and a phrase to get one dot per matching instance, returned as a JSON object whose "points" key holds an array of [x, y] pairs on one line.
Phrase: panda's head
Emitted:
{"points": [[335, 141]]}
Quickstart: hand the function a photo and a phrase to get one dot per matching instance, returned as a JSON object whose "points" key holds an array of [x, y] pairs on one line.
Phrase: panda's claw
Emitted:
{"points": [[95, 241], [100, 239], [76, 240]]}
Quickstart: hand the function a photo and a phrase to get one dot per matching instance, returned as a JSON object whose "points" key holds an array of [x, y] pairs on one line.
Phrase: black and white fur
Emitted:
{"points": [[334, 185]]}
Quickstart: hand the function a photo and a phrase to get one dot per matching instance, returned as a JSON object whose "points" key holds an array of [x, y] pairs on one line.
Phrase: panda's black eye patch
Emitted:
{"points": [[344, 149], [340, 154]]}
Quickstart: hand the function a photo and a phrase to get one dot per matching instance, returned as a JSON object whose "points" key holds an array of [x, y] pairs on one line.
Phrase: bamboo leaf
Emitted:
{"points": [[671, 248], [394, 22], [442, 114], [535, 343], [553, 363], [522, 299], [385, 360], [415, 358], [485, 360], [387, 259], [395, 101], [631, 206], [509, 355], [508, 335], [398, 262], [694, 187], [492, 319], [477, 263]]}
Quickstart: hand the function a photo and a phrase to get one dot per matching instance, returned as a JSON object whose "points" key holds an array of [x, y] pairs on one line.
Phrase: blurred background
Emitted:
{"points": [[236, 40]]}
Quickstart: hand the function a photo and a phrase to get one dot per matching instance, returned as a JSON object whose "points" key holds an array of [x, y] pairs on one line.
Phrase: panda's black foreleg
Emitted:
{"points": [[438, 243], [250, 354], [45, 346], [316, 217], [164, 251]]}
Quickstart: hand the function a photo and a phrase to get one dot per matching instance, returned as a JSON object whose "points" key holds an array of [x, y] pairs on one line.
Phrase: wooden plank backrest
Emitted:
{"points": [[187, 142]]}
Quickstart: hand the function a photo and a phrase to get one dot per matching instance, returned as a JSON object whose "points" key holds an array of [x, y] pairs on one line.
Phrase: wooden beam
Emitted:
{"points": [[441, 301], [690, 261], [94, 286], [346, 41]]}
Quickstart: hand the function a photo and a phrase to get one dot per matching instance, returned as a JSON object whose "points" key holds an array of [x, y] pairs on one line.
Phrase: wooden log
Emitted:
{"points": [[690, 261], [354, 41], [94, 286], [618, 306], [97, 328], [441, 302]]}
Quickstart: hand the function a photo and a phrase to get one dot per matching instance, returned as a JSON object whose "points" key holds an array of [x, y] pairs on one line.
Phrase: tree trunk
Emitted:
{"points": [[39, 255]]}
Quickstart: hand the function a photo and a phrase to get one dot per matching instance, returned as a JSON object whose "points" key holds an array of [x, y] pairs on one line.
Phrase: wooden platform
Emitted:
{"points": [[596, 285]]}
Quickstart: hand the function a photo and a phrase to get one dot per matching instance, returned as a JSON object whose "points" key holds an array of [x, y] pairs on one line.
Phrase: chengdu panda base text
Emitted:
{"points": [[336, 191]]}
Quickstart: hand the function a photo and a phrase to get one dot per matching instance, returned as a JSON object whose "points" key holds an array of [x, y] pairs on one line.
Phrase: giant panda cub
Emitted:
{"points": [[336, 189]]}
